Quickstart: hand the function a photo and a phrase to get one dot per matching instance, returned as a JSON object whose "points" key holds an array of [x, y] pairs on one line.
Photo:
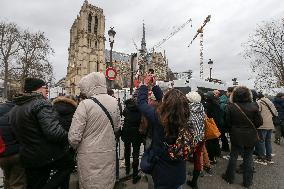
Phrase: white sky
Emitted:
{"points": [[231, 23]]}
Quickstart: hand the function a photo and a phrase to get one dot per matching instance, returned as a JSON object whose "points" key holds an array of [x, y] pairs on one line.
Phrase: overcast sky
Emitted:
{"points": [[231, 23]]}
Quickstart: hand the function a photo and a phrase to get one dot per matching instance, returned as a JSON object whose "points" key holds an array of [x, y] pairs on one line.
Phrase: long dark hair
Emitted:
{"points": [[174, 112]]}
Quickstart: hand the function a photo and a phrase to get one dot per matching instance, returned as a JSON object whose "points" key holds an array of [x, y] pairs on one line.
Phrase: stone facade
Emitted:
{"points": [[87, 46], [159, 65], [87, 52], [121, 63]]}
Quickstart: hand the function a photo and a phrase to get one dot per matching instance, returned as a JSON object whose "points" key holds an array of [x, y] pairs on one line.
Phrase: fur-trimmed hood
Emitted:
{"points": [[64, 105], [65, 100], [241, 94]]}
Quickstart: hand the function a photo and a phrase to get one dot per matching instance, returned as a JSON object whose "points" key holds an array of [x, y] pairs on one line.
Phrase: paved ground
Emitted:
{"points": [[266, 177]]}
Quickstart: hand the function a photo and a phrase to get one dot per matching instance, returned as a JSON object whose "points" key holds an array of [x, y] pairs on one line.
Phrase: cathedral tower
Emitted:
{"points": [[87, 46]]}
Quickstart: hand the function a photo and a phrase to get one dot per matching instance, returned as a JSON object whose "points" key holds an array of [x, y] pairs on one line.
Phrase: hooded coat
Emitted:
{"points": [[266, 114], [92, 135], [65, 108]]}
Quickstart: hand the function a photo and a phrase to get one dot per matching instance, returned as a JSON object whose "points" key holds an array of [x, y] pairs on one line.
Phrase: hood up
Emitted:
{"points": [[93, 84]]}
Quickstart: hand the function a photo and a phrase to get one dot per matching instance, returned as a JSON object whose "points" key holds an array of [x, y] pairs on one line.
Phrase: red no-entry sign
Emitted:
{"points": [[111, 73]]}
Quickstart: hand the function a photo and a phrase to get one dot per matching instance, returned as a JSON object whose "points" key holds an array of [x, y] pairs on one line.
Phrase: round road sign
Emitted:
{"points": [[111, 73]]}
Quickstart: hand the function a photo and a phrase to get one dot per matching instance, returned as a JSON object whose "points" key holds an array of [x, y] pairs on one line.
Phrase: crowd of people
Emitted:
{"points": [[43, 142]]}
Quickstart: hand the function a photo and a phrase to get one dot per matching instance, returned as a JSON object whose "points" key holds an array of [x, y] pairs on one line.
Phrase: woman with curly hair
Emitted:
{"points": [[170, 116]]}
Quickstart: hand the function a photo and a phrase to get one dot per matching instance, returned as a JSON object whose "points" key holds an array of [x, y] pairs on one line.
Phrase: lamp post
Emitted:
{"points": [[210, 63], [111, 34]]}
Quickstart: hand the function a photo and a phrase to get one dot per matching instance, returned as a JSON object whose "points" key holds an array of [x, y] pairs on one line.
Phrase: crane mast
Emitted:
{"points": [[200, 31]]}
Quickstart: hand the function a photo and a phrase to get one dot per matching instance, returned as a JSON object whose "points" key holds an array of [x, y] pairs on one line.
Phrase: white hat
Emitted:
{"points": [[193, 96]]}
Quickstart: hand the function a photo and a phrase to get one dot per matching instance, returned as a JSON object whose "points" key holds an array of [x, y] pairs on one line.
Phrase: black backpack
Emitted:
{"points": [[8, 142]]}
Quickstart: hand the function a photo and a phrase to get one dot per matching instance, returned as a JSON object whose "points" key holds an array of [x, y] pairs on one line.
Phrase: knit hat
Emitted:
{"points": [[32, 84], [193, 96]]}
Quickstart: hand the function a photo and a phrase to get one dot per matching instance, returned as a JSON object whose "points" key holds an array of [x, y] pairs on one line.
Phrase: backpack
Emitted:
{"points": [[8, 142], [184, 146]]}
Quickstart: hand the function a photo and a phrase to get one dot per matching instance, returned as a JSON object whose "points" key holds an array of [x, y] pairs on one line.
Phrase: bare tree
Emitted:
{"points": [[9, 47], [34, 55], [265, 52]]}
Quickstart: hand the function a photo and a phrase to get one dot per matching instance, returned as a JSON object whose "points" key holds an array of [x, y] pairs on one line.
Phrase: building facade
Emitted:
{"points": [[87, 46], [87, 52]]}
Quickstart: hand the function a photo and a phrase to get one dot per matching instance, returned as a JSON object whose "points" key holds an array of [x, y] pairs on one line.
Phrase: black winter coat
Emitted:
{"points": [[213, 110], [65, 109], [132, 119], [236, 122], [41, 137], [279, 105]]}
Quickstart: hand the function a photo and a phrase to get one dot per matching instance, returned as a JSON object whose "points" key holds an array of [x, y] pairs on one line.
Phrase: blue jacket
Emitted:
{"points": [[167, 173], [279, 105]]}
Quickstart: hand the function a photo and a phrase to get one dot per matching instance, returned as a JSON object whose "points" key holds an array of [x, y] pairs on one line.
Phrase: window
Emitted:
{"points": [[90, 23], [96, 25], [89, 43], [96, 45]]}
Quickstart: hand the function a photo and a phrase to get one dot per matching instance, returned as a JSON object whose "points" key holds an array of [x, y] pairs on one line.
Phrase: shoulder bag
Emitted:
{"points": [[211, 129], [149, 158], [243, 135], [116, 134]]}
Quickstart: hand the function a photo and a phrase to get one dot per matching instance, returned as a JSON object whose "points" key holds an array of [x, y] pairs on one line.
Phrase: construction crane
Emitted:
{"points": [[200, 31], [172, 34], [136, 47]]}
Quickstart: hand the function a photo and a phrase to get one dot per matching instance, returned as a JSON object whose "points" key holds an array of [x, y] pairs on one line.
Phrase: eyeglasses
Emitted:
{"points": [[45, 87]]}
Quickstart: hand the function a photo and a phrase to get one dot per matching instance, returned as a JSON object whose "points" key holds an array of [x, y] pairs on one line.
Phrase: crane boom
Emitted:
{"points": [[172, 34], [200, 30]]}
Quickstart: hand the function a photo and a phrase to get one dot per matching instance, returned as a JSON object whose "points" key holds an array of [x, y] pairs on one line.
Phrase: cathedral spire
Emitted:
{"points": [[143, 42]]}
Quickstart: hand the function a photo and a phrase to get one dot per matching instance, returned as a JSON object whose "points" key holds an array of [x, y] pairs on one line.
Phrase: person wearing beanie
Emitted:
{"points": [[34, 85], [43, 140], [196, 122]]}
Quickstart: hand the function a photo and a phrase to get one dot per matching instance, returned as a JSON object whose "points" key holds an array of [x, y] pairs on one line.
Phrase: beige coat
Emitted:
{"points": [[91, 134], [266, 114]]}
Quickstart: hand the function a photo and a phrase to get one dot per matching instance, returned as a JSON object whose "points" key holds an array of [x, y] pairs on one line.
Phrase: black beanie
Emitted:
{"points": [[32, 84]]}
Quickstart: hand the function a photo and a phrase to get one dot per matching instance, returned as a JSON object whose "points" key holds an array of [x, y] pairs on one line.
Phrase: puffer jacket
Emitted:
{"points": [[41, 137], [65, 108], [266, 114], [196, 121], [279, 105], [92, 135]]}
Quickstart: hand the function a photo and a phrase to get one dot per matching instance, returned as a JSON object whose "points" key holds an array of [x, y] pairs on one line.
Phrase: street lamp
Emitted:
{"points": [[210, 63], [111, 34]]}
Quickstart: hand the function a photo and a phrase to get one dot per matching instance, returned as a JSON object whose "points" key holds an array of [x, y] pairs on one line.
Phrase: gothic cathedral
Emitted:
{"points": [[87, 46]]}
